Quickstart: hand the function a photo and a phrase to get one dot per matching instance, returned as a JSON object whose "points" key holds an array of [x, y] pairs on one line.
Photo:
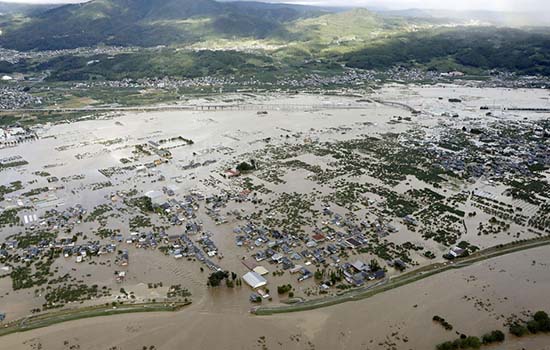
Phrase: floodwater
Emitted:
{"points": [[472, 299]]}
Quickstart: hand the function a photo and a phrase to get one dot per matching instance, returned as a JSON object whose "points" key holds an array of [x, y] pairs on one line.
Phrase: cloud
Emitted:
{"points": [[494, 5]]}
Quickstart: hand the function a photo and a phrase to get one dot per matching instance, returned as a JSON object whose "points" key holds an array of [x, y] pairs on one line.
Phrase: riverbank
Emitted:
{"points": [[401, 280], [51, 318]]}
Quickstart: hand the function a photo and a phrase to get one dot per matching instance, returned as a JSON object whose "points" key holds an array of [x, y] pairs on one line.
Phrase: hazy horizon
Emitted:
{"points": [[465, 5], [493, 5]]}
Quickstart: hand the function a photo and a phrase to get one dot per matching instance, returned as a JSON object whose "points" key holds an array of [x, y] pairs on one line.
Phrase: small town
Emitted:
{"points": [[263, 175]]}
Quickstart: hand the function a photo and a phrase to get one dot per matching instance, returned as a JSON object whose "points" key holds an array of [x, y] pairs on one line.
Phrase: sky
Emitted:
{"points": [[495, 5]]}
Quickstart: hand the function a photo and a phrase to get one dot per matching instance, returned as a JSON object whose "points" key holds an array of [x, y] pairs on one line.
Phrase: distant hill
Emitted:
{"points": [[149, 23], [360, 25], [204, 37], [500, 18], [486, 48], [11, 8]]}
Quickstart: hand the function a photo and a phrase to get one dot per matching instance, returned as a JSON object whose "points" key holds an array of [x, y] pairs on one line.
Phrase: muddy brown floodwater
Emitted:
{"points": [[475, 300]]}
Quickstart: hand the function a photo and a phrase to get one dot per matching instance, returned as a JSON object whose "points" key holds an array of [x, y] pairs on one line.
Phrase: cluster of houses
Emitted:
{"points": [[11, 160], [142, 240], [350, 77], [181, 246], [11, 136], [358, 272], [66, 246], [14, 56], [162, 83], [55, 219], [355, 273], [497, 153], [178, 211], [320, 247], [157, 148], [15, 97], [295, 253]]}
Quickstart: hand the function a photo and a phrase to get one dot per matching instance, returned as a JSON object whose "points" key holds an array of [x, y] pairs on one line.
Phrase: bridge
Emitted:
{"points": [[527, 109], [213, 107], [398, 105]]}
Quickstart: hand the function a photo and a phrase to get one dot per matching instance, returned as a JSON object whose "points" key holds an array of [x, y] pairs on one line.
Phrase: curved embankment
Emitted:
{"points": [[401, 280], [51, 318]]}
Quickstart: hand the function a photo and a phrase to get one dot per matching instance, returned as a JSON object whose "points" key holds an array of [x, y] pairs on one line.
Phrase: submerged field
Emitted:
{"points": [[129, 208]]}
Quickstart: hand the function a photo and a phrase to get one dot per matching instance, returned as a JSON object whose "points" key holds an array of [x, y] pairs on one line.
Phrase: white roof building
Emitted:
{"points": [[254, 280], [156, 197], [260, 270], [456, 252], [359, 265]]}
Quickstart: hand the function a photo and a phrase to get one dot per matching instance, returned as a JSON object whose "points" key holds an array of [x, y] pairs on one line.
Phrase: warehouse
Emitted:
{"points": [[254, 280]]}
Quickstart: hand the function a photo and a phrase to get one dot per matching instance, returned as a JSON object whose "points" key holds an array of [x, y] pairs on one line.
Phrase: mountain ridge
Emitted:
{"points": [[148, 23]]}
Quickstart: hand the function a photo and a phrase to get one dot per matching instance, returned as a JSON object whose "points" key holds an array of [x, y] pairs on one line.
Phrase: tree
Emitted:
{"points": [[215, 278], [494, 336], [318, 275], [244, 166], [335, 277], [471, 342], [448, 345], [540, 316], [374, 265], [498, 335], [518, 330], [539, 323], [533, 326], [144, 203], [544, 325], [285, 288]]}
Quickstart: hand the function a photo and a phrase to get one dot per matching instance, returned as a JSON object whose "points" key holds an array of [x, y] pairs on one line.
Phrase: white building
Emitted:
{"points": [[254, 280]]}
